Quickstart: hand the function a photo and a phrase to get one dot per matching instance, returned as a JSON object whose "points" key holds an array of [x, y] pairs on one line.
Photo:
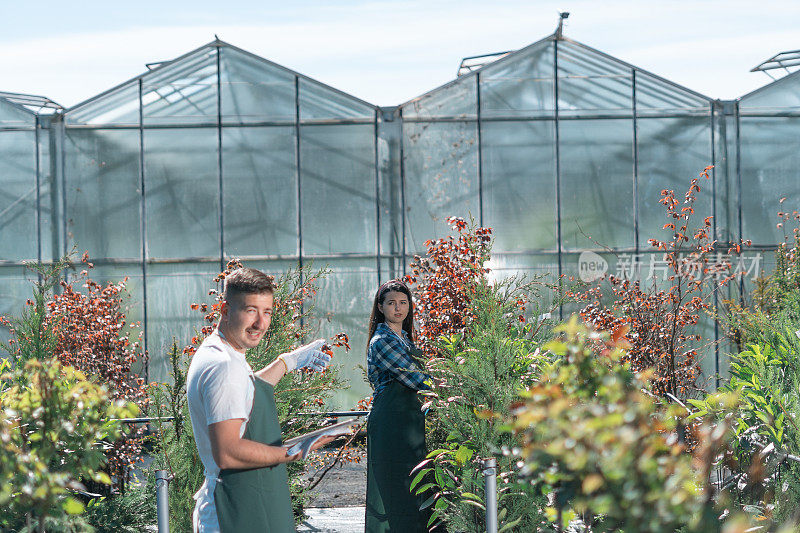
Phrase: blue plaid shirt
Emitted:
{"points": [[389, 358]]}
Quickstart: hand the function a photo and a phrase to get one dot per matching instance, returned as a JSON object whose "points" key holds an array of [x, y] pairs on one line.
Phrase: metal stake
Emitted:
{"points": [[489, 467], [162, 500]]}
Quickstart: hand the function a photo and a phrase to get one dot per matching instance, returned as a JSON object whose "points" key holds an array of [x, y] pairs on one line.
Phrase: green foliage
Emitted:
{"points": [[292, 321], [132, 512], [765, 465], [32, 338], [603, 447], [477, 373], [53, 420]]}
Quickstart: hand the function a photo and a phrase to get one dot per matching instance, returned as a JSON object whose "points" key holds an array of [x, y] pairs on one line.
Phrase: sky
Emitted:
{"points": [[385, 52]]}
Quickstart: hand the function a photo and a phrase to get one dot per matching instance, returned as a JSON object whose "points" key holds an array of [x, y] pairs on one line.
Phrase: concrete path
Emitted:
{"points": [[334, 520]]}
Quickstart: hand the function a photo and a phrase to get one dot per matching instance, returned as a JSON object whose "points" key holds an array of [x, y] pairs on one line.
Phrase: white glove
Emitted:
{"points": [[307, 356]]}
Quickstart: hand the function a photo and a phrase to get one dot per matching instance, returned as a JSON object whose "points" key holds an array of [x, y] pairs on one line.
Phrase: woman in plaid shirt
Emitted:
{"points": [[396, 425]]}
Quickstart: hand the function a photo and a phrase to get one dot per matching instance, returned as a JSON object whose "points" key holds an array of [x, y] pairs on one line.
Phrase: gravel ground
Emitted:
{"points": [[343, 486]]}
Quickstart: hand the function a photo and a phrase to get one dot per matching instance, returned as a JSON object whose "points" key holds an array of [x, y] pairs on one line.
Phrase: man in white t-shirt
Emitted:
{"points": [[222, 393]]}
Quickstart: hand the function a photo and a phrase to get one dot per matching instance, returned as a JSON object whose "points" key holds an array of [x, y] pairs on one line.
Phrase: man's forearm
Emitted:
{"points": [[273, 372], [250, 454]]}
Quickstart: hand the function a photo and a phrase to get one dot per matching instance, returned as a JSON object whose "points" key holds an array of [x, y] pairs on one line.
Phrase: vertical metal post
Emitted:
{"points": [[162, 500], [63, 166], [143, 225], [480, 146], [377, 196], [38, 217], [297, 171], [402, 191], [635, 165], [56, 146], [557, 147], [219, 165], [490, 486], [714, 236], [737, 117]]}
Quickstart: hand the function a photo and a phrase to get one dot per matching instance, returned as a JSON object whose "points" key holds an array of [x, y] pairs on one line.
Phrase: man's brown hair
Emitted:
{"points": [[246, 280]]}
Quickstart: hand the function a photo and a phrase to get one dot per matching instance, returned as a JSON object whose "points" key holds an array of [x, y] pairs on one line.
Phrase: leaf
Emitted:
{"points": [[591, 483], [479, 505], [509, 525], [72, 506], [427, 503], [464, 454], [424, 488]]}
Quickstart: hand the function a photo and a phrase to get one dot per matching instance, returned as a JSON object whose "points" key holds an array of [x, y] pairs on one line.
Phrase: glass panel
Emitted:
{"points": [[590, 268], [118, 107], [672, 151], [254, 90], [260, 189], [182, 192], [344, 303], [780, 95], [441, 178], [542, 268], [456, 99], [519, 85], [770, 163], [726, 196], [171, 289], [593, 83], [519, 184], [318, 102], [183, 92], [596, 183], [391, 226], [16, 286], [13, 116], [338, 189], [102, 185], [658, 96], [18, 239]]}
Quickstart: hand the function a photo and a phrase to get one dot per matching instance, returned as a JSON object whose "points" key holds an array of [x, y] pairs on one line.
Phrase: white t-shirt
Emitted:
{"points": [[218, 387]]}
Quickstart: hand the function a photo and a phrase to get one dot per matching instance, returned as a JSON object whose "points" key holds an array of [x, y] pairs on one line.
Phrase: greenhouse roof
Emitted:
{"points": [[218, 81], [780, 97], [520, 84]]}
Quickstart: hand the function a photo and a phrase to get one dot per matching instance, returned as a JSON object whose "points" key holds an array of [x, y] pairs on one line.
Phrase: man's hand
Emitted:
{"points": [[307, 356]]}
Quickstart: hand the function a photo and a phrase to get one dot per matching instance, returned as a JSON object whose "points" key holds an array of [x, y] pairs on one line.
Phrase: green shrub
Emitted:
{"points": [[603, 447], [481, 351], [53, 420], [478, 373]]}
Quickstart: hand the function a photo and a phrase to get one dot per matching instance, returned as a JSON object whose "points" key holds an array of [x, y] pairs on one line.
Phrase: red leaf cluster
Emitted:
{"points": [[662, 323], [93, 336], [443, 282]]}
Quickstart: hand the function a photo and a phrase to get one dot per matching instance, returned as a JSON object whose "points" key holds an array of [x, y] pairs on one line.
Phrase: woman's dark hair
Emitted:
{"points": [[377, 316]]}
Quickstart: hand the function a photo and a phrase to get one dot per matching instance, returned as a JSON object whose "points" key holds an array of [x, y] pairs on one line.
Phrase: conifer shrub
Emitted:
{"points": [[481, 348]]}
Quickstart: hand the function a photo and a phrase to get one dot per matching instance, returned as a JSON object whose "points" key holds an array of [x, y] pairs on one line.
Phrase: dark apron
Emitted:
{"points": [[256, 500], [395, 445]]}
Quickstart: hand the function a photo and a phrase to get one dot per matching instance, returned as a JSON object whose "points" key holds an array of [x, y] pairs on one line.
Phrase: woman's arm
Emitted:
{"points": [[390, 355]]}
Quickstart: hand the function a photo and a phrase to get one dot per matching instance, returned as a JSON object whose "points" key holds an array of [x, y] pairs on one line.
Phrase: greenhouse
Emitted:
{"points": [[559, 148]]}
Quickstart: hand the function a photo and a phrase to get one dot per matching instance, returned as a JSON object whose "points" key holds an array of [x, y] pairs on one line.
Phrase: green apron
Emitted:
{"points": [[395, 445], [256, 500]]}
